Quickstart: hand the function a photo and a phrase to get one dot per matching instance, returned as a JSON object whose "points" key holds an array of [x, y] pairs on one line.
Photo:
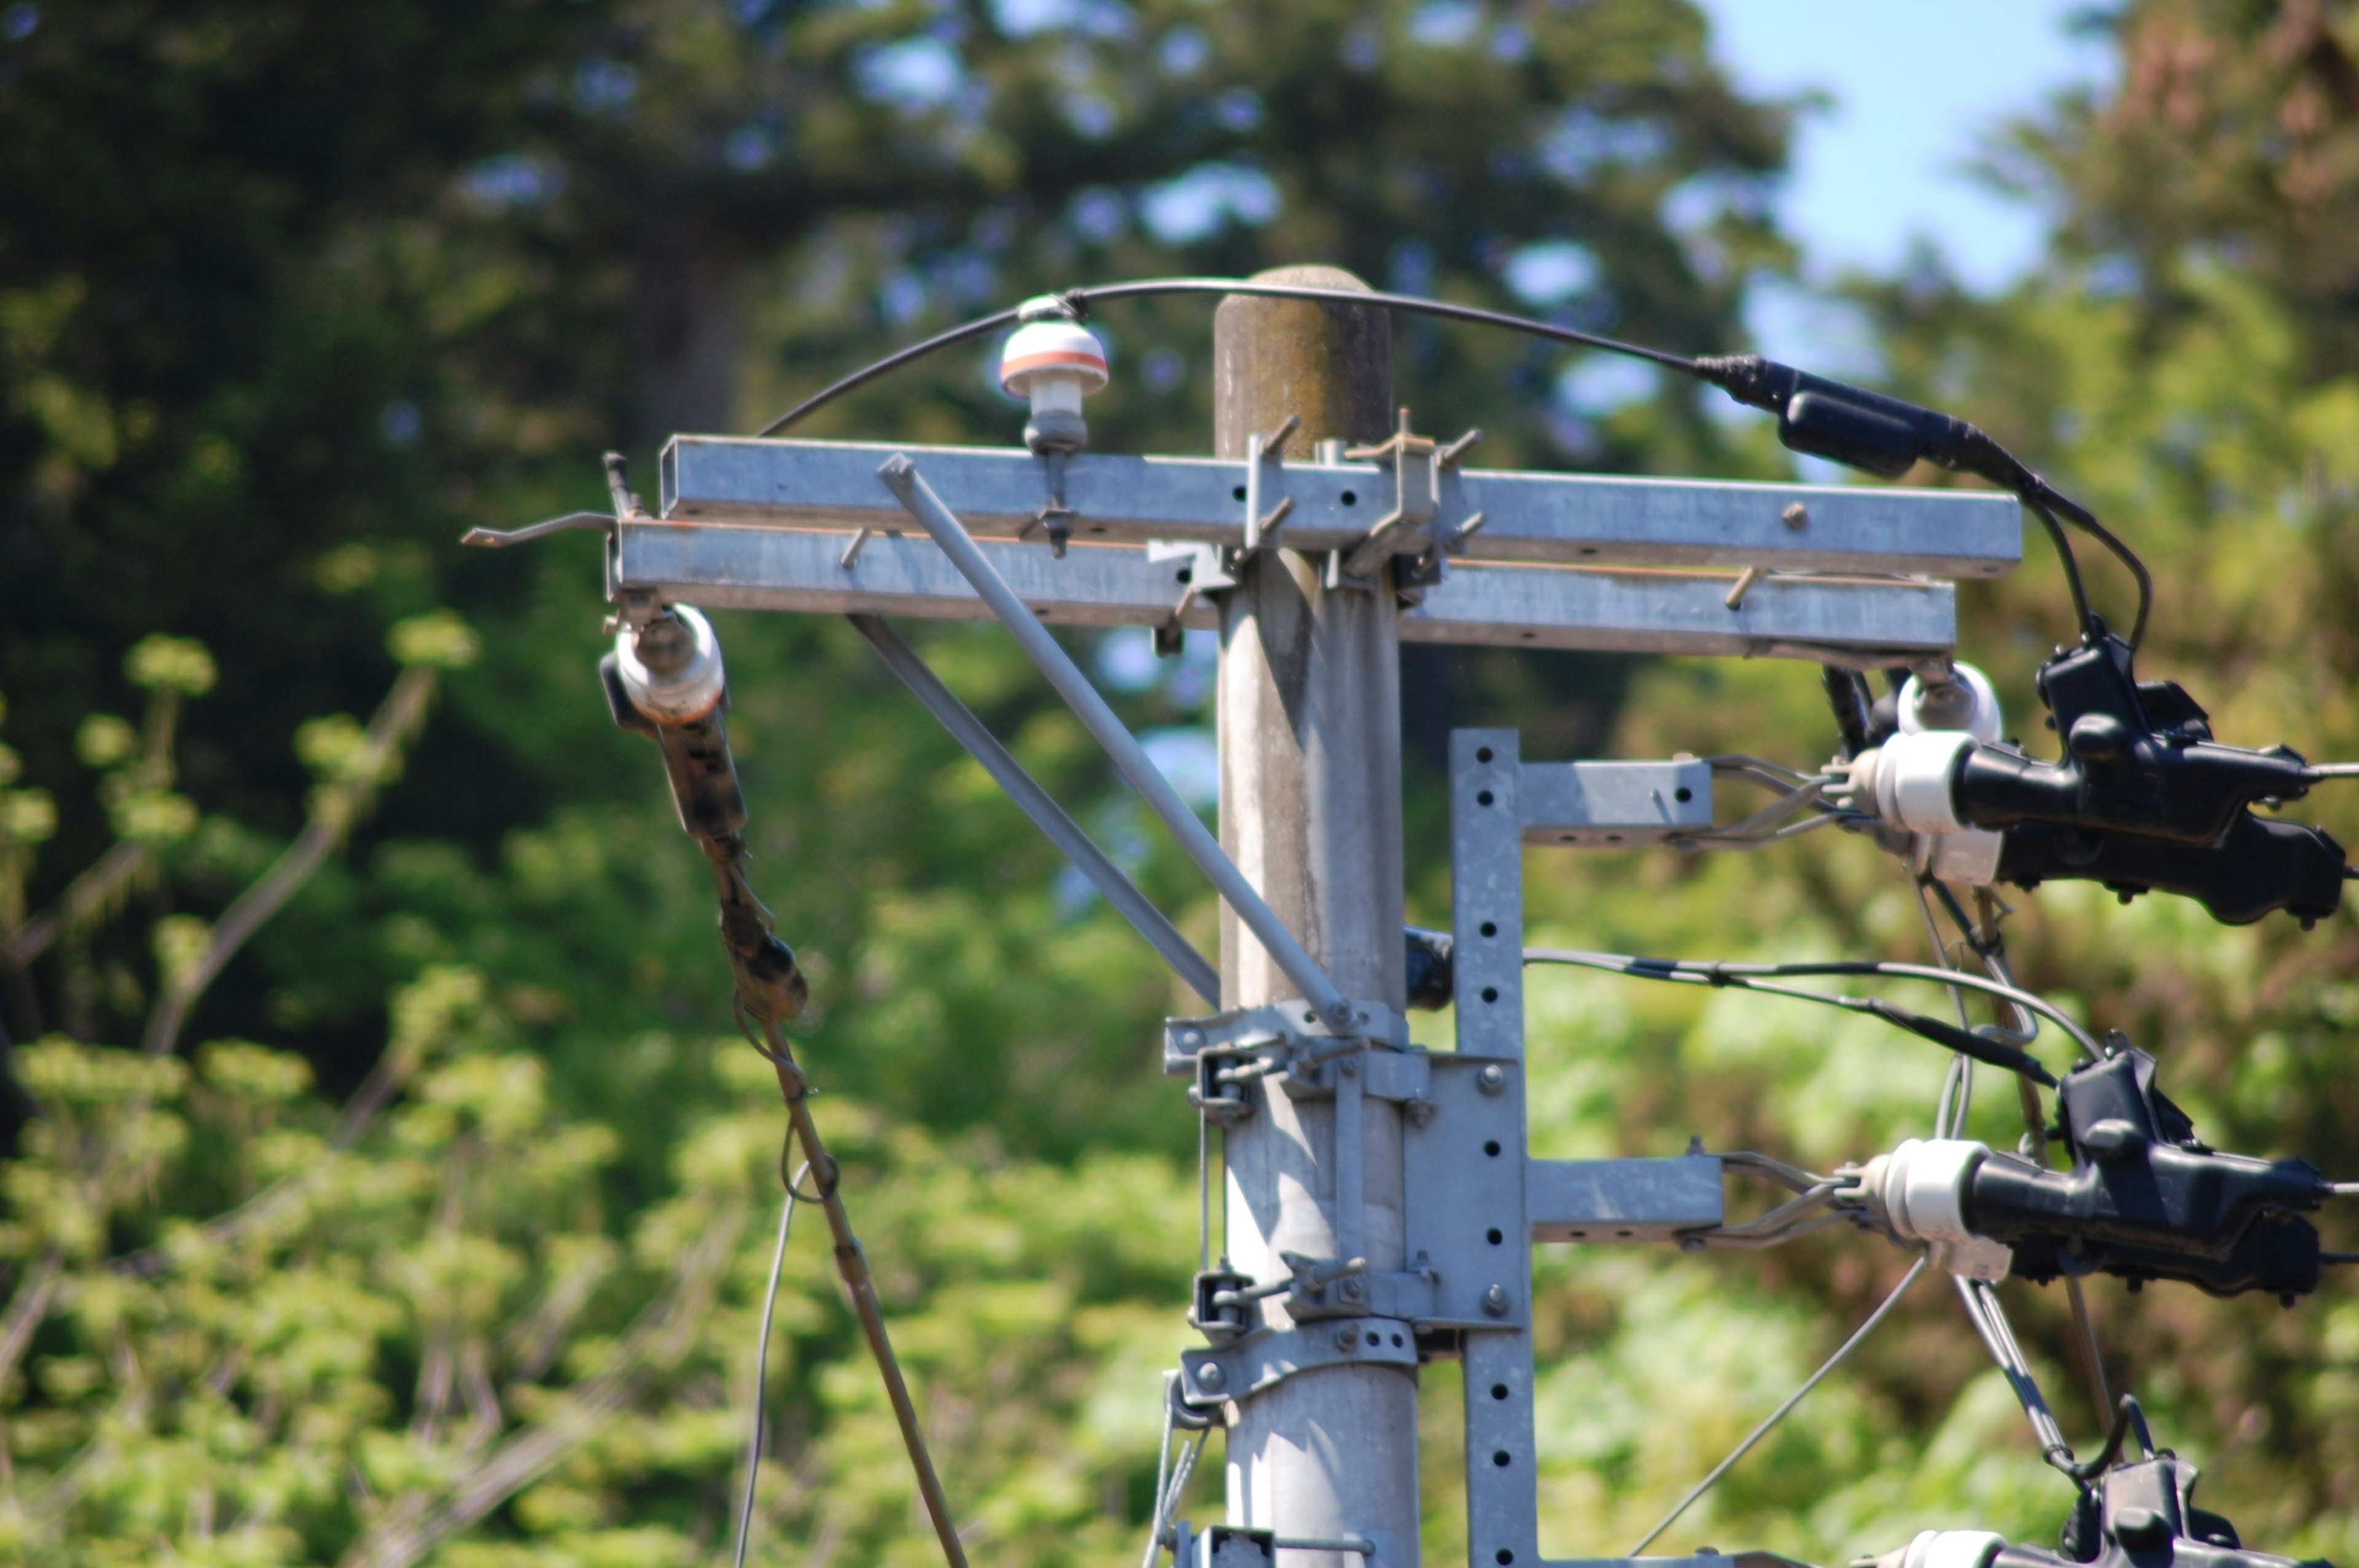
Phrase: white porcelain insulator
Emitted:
{"points": [[680, 696], [1923, 1186], [1981, 717], [1953, 1549], [1062, 352], [1970, 857], [1911, 779]]}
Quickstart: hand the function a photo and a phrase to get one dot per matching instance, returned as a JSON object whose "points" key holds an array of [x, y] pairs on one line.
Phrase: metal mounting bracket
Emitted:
{"points": [[1241, 1031], [1212, 1377], [1264, 456], [1207, 570], [1416, 496]]}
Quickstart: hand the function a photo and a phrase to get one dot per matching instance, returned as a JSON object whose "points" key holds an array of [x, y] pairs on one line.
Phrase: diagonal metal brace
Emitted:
{"points": [[900, 476], [1037, 803]]}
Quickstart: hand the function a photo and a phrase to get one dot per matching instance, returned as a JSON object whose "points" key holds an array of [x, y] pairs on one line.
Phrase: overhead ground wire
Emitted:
{"points": [[2010, 474]]}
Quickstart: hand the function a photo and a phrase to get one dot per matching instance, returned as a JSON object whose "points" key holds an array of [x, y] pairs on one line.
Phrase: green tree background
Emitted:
{"points": [[437, 1232]]}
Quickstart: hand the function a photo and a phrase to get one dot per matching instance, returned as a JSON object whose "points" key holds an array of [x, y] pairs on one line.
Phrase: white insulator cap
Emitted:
{"points": [[1966, 702], [1921, 1187], [678, 690], [1052, 351], [1056, 363], [1950, 1549], [1906, 781], [1921, 1190]]}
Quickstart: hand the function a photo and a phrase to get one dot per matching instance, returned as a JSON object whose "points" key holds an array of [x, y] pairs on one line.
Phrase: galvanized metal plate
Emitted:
{"points": [[1571, 519], [1846, 621], [1462, 1173]]}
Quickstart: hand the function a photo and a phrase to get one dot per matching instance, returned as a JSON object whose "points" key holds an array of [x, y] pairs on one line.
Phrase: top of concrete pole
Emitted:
{"points": [[1330, 365]]}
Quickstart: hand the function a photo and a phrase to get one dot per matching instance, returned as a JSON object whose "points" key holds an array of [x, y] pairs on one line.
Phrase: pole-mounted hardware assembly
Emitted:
{"points": [[1380, 1203]]}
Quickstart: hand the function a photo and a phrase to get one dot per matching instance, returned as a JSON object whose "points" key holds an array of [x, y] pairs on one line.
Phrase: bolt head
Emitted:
{"points": [[1191, 1038], [1211, 1375], [1353, 1289], [1796, 516], [1492, 1079], [1348, 1336], [1495, 1301]]}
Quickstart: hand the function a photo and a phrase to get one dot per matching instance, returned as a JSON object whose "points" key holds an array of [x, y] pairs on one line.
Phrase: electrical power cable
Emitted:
{"points": [[1756, 977], [1884, 434], [762, 1365], [1795, 1398], [1077, 302]]}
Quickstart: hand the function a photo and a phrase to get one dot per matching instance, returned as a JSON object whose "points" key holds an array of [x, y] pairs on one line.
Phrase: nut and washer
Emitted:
{"points": [[1495, 1301]]}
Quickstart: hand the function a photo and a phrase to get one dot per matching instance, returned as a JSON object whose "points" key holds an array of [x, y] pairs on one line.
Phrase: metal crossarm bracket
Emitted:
{"points": [[1264, 456], [1622, 1200], [1416, 496], [1563, 519], [1861, 623], [1463, 1198], [1615, 803]]}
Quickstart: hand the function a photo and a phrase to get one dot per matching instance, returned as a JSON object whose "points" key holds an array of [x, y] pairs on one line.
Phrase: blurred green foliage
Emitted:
{"points": [[464, 1266]]}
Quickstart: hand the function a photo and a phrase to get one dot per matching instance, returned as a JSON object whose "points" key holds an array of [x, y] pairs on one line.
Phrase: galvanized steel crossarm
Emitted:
{"points": [[1859, 622], [1570, 519]]}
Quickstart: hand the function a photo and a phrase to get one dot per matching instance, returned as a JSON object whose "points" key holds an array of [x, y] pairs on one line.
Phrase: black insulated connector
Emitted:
{"points": [[1850, 425], [2143, 799], [2146, 1199], [2143, 1515]]}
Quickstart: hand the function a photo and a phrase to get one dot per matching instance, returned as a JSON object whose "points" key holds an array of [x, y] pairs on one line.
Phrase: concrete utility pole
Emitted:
{"points": [[1310, 810]]}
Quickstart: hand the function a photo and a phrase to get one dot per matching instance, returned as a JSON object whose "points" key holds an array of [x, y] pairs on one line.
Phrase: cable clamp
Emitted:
{"points": [[1213, 1378], [1288, 1023], [1416, 496]]}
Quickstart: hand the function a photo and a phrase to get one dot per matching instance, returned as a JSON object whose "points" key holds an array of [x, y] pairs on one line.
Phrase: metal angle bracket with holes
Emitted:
{"points": [[1603, 803], [1477, 1201]]}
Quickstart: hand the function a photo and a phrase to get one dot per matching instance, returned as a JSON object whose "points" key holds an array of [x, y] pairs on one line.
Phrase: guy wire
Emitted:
{"points": [[1758, 1433], [762, 1367], [851, 1263]]}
